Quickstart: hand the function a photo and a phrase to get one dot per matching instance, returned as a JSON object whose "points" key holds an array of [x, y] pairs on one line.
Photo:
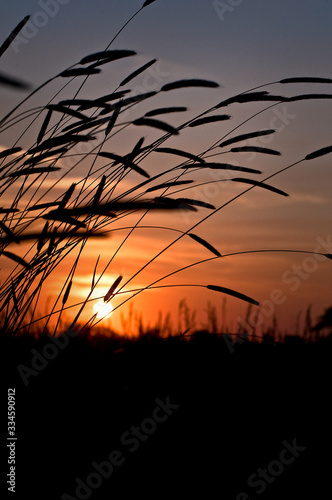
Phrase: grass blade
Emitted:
{"points": [[10, 151], [13, 35], [110, 55], [318, 153], [58, 141], [166, 185], [111, 291], [62, 216], [51, 244], [244, 137], [306, 79], [133, 100], [205, 244], [13, 82], [174, 203], [233, 293], [147, 2], [17, 309], [180, 84], [112, 120], [179, 152], [101, 101], [42, 206], [149, 122], [90, 123], [8, 232], [209, 119], [90, 103], [68, 73], [99, 190], [45, 156], [8, 210], [137, 72], [259, 184], [226, 166], [16, 258], [67, 292], [255, 149], [127, 163], [42, 237], [44, 126], [67, 196], [136, 150], [66, 111], [251, 97], [197, 203], [162, 111], [110, 97], [35, 170], [304, 97]]}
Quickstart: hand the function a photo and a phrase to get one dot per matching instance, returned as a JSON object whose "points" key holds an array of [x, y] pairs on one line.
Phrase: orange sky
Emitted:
{"points": [[284, 283]]}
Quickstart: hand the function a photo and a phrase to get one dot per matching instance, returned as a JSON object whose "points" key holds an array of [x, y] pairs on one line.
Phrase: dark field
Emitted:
{"points": [[174, 416]]}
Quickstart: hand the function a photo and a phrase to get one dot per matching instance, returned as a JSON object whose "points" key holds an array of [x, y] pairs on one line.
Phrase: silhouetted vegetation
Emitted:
{"points": [[238, 401]]}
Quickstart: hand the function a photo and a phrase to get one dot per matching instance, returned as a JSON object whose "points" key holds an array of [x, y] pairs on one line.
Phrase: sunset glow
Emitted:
{"points": [[102, 309]]}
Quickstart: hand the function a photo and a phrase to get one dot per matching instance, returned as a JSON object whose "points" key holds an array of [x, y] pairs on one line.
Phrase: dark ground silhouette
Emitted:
{"points": [[225, 411]]}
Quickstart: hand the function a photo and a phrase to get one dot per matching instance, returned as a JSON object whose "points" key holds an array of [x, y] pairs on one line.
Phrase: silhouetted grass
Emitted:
{"points": [[237, 402], [59, 226]]}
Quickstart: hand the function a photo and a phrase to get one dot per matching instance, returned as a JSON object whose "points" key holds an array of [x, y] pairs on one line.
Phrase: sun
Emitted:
{"points": [[102, 309]]}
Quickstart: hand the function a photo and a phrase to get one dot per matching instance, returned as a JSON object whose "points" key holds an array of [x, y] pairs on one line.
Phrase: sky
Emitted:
{"points": [[240, 45]]}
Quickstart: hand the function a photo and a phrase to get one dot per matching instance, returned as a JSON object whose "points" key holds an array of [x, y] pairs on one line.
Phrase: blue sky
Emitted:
{"points": [[239, 44], [256, 42]]}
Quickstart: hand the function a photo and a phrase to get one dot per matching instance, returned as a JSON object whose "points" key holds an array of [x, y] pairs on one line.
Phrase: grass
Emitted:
{"points": [[117, 186], [238, 401]]}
